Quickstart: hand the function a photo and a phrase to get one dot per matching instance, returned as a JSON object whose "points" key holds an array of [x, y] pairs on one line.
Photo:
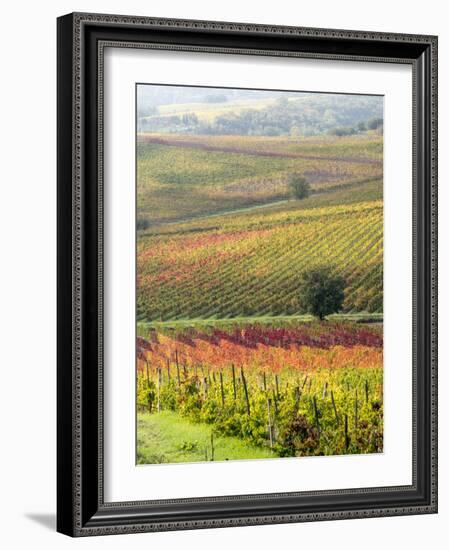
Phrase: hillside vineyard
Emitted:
{"points": [[259, 264]]}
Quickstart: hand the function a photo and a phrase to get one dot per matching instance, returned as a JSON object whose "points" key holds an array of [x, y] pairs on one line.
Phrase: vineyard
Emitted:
{"points": [[250, 266], [297, 391], [182, 177], [232, 362]]}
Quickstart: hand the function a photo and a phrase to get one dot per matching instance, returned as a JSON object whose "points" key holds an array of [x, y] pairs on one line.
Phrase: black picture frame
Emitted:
{"points": [[81, 509]]}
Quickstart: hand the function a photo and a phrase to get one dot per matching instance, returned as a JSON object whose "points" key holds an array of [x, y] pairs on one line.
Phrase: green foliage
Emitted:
{"points": [[342, 131], [298, 436], [374, 123], [146, 393], [142, 223], [159, 436], [321, 292], [182, 179], [299, 186], [250, 264], [218, 240], [314, 114], [297, 429]]}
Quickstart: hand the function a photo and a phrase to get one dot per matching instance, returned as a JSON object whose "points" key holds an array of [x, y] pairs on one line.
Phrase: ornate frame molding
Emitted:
{"points": [[82, 511]]}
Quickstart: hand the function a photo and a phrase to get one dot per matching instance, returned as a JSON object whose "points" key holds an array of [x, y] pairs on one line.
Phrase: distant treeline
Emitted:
{"points": [[311, 115]]}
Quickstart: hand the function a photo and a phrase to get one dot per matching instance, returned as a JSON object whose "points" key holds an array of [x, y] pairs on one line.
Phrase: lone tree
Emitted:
{"points": [[321, 293], [299, 186]]}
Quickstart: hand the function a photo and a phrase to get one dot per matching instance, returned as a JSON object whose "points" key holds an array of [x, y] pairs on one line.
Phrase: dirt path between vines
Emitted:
{"points": [[248, 151]]}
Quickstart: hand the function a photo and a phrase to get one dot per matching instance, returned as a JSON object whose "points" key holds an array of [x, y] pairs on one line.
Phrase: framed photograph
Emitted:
{"points": [[247, 282]]}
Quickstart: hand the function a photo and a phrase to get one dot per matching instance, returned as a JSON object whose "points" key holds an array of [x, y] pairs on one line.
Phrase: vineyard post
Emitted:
{"points": [[335, 408], [305, 382], [212, 452], [356, 407], [297, 399], [275, 403], [366, 392], [270, 424], [325, 390], [346, 433], [148, 372], [264, 381], [245, 389], [168, 370], [159, 383], [276, 380], [317, 420], [222, 390], [233, 382]]}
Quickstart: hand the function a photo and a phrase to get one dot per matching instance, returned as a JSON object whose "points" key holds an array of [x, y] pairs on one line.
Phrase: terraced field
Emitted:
{"points": [[250, 265], [182, 177]]}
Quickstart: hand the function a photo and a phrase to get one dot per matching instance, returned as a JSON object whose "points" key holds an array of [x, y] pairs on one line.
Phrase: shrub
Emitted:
{"points": [[299, 186]]}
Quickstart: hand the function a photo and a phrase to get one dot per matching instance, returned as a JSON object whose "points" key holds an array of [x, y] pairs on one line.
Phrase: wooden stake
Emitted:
{"points": [[222, 390], [233, 382], [275, 403], [245, 388], [148, 372], [335, 408], [305, 381], [168, 370], [212, 446], [159, 384], [346, 433], [297, 399], [270, 425], [317, 421]]}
